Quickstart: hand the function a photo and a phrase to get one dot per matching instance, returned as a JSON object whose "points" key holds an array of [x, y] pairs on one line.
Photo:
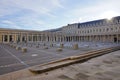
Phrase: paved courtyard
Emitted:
{"points": [[13, 60]]}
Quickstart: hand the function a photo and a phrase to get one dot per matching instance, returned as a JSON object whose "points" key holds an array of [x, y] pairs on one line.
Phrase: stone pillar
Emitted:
{"points": [[3, 39], [15, 39], [79, 38], [55, 38], [63, 39], [102, 38], [109, 38], [61, 45], [27, 39], [89, 38], [75, 46], [39, 37], [8, 38], [70, 38], [106, 39], [32, 38], [0, 38], [60, 38], [96, 38], [36, 37], [18, 37], [21, 35], [112, 37], [48, 38], [117, 38]]}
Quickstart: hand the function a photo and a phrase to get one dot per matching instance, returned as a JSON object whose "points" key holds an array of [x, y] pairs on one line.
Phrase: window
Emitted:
{"points": [[111, 28], [107, 29], [88, 31], [118, 20], [96, 30]]}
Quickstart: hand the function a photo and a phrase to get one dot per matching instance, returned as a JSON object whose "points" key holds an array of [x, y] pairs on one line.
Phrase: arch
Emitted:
{"points": [[115, 39]]}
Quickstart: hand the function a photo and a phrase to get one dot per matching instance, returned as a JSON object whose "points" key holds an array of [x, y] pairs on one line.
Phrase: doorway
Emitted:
{"points": [[115, 39]]}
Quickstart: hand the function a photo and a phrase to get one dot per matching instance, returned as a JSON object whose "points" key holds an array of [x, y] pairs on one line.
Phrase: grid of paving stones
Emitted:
{"points": [[13, 60], [105, 67]]}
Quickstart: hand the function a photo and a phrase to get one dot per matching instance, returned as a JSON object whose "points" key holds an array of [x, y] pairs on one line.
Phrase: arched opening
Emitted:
{"points": [[115, 39], [10, 38], [5, 38], [23, 39], [18, 39], [67, 39]]}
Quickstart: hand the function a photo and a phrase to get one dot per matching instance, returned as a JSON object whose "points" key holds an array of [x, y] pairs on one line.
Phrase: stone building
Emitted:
{"points": [[98, 31], [93, 31]]}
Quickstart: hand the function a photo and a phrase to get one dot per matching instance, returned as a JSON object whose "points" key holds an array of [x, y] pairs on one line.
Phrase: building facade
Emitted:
{"points": [[93, 31]]}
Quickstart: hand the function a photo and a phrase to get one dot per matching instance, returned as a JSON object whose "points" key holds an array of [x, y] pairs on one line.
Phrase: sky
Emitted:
{"points": [[51, 14]]}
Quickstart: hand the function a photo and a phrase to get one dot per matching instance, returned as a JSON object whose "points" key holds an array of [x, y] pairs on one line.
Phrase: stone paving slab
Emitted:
{"points": [[11, 58], [106, 67]]}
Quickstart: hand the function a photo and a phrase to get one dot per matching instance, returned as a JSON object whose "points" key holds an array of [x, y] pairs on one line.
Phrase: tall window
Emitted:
{"points": [[6, 38], [107, 29]]}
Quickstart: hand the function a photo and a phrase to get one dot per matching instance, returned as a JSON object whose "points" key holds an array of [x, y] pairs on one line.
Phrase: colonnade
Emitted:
{"points": [[44, 37]]}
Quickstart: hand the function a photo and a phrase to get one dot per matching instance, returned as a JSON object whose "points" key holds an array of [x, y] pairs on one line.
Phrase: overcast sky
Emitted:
{"points": [[50, 14]]}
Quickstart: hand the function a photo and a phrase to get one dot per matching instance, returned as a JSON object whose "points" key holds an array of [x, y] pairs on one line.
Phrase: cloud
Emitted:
{"points": [[7, 8], [43, 7], [10, 24], [28, 13], [46, 14], [93, 11], [7, 22]]}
